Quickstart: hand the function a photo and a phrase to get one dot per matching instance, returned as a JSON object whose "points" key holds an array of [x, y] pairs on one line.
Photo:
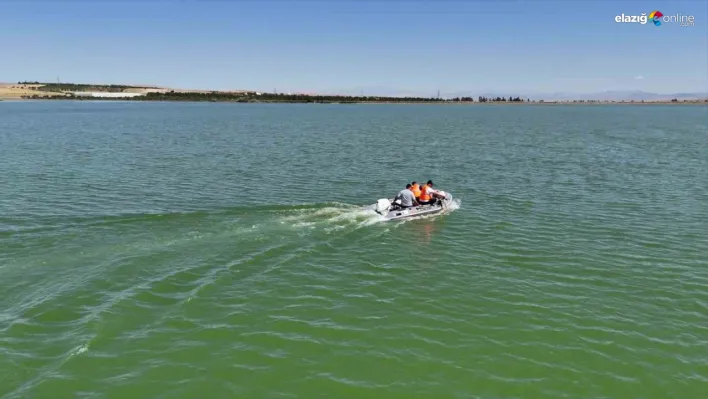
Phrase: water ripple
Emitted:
{"points": [[169, 250]]}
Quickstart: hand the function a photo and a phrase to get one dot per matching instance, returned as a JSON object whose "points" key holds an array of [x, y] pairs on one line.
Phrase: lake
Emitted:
{"points": [[186, 250]]}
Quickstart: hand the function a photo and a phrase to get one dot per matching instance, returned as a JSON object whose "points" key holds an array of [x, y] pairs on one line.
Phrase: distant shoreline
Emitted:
{"points": [[86, 92], [469, 103], [449, 103]]}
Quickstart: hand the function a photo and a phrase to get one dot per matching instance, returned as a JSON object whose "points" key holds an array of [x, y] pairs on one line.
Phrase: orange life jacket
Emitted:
{"points": [[416, 190], [424, 195]]}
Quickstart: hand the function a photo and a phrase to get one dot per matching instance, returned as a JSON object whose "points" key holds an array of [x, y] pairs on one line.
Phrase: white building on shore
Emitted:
{"points": [[105, 94]]}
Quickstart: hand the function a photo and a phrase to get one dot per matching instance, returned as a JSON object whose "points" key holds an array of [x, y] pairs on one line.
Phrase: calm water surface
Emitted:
{"points": [[221, 251]]}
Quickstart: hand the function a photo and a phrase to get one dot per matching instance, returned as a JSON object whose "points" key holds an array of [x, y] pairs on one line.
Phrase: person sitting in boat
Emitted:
{"points": [[426, 197], [416, 189], [405, 198], [429, 195]]}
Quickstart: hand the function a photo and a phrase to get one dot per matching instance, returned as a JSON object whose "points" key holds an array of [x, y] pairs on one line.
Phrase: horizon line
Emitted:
{"points": [[360, 88]]}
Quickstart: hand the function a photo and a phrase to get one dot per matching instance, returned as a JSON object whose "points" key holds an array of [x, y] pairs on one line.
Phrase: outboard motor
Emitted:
{"points": [[382, 206], [447, 197]]}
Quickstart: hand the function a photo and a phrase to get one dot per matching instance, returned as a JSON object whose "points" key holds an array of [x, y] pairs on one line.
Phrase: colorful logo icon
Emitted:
{"points": [[655, 17]]}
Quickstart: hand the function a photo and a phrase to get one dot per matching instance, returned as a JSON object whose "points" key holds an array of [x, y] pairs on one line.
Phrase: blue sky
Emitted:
{"points": [[336, 46]]}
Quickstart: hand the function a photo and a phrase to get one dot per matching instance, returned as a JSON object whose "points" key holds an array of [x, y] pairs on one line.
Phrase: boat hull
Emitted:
{"points": [[390, 211]]}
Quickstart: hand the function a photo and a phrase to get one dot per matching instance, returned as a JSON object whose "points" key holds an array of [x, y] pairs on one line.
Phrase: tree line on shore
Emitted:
{"points": [[501, 99], [65, 91], [69, 87], [302, 98], [276, 97], [261, 97]]}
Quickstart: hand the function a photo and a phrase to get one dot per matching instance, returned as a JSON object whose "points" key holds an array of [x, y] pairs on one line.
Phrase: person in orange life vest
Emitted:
{"points": [[429, 195], [425, 197], [416, 189]]}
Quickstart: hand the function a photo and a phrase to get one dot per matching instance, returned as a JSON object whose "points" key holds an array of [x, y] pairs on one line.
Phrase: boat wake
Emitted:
{"points": [[332, 217], [338, 216], [230, 222]]}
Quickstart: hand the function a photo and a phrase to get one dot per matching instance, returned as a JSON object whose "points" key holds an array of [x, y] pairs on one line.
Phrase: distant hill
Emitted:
{"points": [[626, 95], [610, 95]]}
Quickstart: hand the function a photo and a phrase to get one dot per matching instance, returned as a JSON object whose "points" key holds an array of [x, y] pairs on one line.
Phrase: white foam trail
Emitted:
{"points": [[455, 204], [307, 214], [79, 350], [340, 217]]}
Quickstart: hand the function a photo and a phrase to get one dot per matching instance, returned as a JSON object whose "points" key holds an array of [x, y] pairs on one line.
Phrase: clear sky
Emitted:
{"points": [[335, 46]]}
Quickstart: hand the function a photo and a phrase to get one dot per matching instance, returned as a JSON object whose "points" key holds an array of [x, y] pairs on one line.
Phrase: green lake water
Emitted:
{"points": [[152, 250]]}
